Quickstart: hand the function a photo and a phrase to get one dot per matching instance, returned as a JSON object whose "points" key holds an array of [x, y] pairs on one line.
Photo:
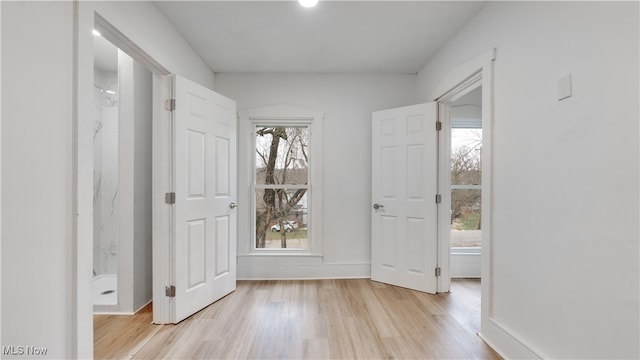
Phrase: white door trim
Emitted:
{"points": [[444, 176], [162, 220], [86, 18], [464, 78]]}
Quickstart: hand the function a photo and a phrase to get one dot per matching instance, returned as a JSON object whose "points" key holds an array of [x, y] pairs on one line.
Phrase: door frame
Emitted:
{"points": [[444, 176], [87, 16], [462, 79]]}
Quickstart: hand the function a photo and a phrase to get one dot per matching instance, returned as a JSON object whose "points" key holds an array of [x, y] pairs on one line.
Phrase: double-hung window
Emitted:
{"points": [[281, 188], [466, 184], [281, 168]]}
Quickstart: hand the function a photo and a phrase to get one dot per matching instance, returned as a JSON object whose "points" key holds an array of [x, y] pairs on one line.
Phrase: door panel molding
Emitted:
{"points": [[404, 185], [203, 246]]}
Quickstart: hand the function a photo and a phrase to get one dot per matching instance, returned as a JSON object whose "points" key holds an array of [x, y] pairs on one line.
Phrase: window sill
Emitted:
{"points": [[466, 251]]}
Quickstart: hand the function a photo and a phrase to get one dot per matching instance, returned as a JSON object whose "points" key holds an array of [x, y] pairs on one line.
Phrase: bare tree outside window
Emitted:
{"points": [[466, 180], [282, 186], [465, 170]]}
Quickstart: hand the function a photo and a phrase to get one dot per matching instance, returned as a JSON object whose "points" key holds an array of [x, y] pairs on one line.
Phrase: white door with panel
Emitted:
{"points": [[404, 184], [205, 163]]}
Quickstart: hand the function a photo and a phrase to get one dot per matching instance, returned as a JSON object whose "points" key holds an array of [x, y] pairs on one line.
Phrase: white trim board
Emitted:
{"points": [[465, 265], [506, 343], [289, 267]]}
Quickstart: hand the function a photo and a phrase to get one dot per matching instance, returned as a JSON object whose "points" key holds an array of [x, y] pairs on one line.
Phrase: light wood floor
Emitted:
{"points": [[313, 319]]}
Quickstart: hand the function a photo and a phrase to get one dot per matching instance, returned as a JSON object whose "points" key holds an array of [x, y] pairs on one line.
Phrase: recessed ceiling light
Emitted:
{"points": [[308, 3], [96, 33]]}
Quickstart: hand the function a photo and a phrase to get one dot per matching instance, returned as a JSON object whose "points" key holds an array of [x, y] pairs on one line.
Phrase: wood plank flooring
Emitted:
{"points": [[311, 319]]}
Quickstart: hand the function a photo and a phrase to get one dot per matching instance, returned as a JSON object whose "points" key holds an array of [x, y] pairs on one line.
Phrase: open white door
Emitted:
{"points": [[404, 184], [204, 242]]}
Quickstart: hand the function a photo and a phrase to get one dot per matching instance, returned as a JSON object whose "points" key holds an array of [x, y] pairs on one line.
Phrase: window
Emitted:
{"points": [[281, 186], [280, 179], [466, 184], [466, 173]]}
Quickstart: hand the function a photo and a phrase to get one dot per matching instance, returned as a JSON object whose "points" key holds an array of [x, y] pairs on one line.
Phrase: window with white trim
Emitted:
{"points": [[281, 187], [280, 179]]}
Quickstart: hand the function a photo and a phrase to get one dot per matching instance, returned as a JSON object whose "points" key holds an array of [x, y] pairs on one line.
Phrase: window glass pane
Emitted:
{"points": [[466, 154], [281, 218], [466, 218], [282, 155]]}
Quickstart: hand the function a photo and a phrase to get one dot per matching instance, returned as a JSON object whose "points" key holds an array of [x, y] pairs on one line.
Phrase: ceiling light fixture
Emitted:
{"points": [[96, 32], [308, 3]]}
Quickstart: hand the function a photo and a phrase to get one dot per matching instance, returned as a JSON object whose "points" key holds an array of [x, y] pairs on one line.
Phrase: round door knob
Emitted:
{"points": [[233, 205], [377, 206]]}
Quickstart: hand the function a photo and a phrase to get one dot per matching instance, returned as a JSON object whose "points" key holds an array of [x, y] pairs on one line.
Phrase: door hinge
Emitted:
{"points": [[438, 271], [170, 198], [438, 125], [438, 198], [170, 291], [170, 104]]}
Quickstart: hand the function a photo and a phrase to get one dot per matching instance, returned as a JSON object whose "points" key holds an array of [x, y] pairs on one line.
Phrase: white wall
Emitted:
{"points": [[142, 246], [37, 184], [565, 207], [347, 102], [40, 236], [577, 226], [134, 254]]}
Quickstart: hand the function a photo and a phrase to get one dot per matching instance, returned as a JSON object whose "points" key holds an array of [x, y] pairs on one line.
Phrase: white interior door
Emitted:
{"points": [[204, 249], [404, 184]]}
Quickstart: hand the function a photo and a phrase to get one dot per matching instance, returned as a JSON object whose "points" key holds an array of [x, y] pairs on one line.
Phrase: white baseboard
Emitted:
{"points": [[506, 343], [294, 268], [113, 313], [465, 265]]}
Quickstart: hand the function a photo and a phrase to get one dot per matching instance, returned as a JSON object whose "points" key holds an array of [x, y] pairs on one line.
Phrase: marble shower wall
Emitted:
{"points": [[105, 174]]}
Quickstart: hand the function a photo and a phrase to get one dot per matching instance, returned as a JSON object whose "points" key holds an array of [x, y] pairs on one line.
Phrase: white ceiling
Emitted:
{"points": [[333, 37]]}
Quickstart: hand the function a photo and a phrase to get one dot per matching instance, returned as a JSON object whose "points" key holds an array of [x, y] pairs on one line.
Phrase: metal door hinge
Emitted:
{"points": [[438, 198], [170, 104], [438, 125], [170, 198], [170, 291], [438, 271]]}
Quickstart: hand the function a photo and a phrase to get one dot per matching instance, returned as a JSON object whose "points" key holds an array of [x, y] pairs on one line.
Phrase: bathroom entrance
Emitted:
{"points": [[121, 181]]}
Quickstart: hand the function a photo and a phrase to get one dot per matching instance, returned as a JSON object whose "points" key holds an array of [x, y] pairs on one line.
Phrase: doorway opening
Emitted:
{"points": [[121, 180], [461, 168], [470, 83], [465, 169], [105, 176], [134, 258]]}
